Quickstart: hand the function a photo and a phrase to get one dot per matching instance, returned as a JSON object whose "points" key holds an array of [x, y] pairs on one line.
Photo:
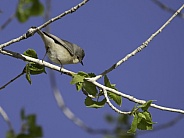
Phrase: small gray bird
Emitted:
{"points": [[61, 51]]}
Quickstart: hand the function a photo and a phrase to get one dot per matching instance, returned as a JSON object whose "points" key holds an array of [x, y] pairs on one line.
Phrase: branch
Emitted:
{"points": [[133, 53], [38, 61], [68, 113], [7, 21], [12, 80], [166, 8], [28, 34], [5, 117], [141, 47], [112, 106], [131, 98]]}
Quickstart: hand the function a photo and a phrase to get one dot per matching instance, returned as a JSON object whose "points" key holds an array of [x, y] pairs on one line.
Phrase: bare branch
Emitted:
{"points": [[26, 35], [131, 98], [140, 48]]}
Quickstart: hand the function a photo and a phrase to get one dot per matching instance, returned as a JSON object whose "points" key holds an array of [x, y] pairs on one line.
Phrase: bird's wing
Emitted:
{"points": [[64, 43]]}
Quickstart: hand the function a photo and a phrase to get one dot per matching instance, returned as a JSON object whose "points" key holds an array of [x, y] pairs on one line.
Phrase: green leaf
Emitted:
{"points": [[35, 131], [146, 105], [37, 8], [10, 134], [30, 53], [90, 88], [28, 77], [145, 121], [78, 86], [90, 75], [35, 68], [148, 117], [31, 120], [133, 128], [81, 73], [76, 78], [113, 96], [28, 8], [134, 109], [94, 104]]}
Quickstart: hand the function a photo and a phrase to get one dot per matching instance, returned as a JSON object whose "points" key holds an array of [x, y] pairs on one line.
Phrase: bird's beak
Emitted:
{"points": [[82, 63]]}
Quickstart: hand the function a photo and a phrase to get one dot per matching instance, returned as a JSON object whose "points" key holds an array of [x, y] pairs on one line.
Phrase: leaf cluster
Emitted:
{"points": [[92, 92], [142, 119], [32, 68], [29, 127]]}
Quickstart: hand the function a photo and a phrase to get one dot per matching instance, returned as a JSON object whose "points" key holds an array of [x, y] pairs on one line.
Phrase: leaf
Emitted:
{"points": [[113, 96], [146, 105], [81, 73], [28, 8], [37, 8], [90, 88], [10, 134], [30, 53], [28, 77], [35, 131], [94, 104], [133, 128], [145, 121], [35, 68], [78, 79], [90, 75], [78, 86], [31, 120]]}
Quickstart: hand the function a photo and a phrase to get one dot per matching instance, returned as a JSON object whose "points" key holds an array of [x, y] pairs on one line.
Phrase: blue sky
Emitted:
{"points": [[107, 31]]}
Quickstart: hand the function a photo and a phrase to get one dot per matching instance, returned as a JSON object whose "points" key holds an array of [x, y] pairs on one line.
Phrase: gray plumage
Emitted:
{"points": [[61, 51]]}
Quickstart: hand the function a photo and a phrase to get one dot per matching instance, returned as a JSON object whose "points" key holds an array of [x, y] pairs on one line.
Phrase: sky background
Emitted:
{"points": [[107, 30]]}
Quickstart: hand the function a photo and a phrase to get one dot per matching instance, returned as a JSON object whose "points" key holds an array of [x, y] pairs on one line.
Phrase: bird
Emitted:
{"points": [[61, 51]]}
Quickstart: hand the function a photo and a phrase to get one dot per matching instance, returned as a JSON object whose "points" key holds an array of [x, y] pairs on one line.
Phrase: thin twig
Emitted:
{"points": [[7, 21], [141, 47], [28, 34], [131, 98], [112, 106], [22, 73], [166, 8]]}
